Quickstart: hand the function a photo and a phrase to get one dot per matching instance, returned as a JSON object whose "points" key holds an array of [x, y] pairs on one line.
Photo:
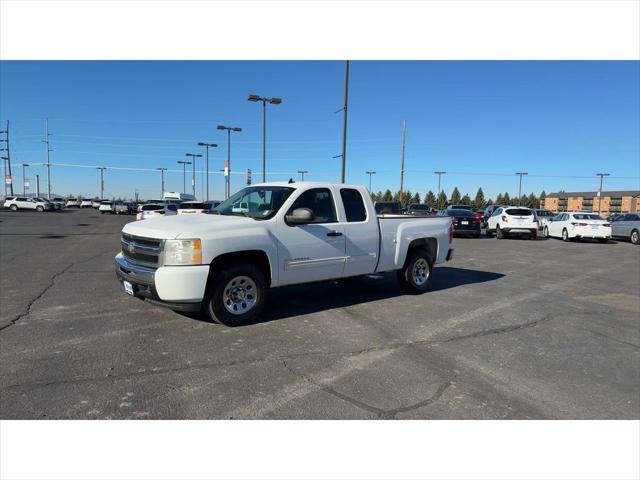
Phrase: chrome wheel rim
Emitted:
{"points": [[634, 237], [240, 295], [546, 232], [565, 235], [420, 271]]}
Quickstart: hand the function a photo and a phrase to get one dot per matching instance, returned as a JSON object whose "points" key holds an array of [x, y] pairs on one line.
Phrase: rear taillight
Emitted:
{"points": [[606, 224], [451, 233], [504, 218], [579, 224], [455, 221]]}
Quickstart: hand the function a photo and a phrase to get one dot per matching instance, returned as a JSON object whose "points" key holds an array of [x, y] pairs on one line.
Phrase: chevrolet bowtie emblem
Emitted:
{"points": [[131, 248]]}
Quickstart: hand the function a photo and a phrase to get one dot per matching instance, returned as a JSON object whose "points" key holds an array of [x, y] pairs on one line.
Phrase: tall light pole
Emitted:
{"points": [[102, 169], [193, 179], [439, 178], [227, 166], [7, 161], [521, 174], [37, 185], [302, 172], [264, 100], [24, 180], [370, 173], [207, 146], [162, 170], [601, 175], [184, 174], [46, 142], [404, 142]]}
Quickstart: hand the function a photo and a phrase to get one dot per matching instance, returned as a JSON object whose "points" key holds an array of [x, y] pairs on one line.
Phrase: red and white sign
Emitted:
{"points": [[226, 168], [8, 180], [27, 183]]}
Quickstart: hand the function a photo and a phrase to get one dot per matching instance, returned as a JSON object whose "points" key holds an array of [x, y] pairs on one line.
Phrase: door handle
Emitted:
{"points": [[334, 234]]}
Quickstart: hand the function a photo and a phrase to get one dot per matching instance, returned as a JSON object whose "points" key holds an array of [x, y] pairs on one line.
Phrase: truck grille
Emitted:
{"points": [[143, 251]]}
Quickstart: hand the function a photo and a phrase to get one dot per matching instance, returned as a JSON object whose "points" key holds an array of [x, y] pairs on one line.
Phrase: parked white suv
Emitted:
{"points": [[570, 225], [26, 203], [505, 221], [72, 202], [86, 203]]}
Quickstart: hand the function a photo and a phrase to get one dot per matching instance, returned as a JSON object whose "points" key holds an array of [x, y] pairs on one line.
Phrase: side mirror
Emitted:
{"points": [[300, 216]]}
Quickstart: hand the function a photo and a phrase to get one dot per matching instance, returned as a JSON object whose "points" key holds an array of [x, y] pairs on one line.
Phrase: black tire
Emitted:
{"points": [[39, 209], [545, 232], [635, 237], [603, 240], [214, 304], [499, 233], [411, 276], [565, 235], [533, 236], [477, 235], [13, 208], [488, 232]]}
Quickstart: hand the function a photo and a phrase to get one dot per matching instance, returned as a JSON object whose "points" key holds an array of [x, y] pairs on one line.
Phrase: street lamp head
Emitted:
{"points": [[254, 98], [275, 100], [236, 129], [221, 127]]}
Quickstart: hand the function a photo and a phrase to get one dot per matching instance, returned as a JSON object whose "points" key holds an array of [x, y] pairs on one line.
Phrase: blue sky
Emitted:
{"points": [[479, 121]]}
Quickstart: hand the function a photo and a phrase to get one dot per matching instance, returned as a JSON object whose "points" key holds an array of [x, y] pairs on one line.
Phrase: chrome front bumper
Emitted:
{"points": [[136, 274]]}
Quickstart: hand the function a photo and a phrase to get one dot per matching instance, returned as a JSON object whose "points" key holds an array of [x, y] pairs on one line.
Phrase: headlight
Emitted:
{"points": [[183, 252]]}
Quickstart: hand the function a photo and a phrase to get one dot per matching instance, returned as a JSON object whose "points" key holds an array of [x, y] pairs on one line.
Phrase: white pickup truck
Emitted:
{"points": [[270, 235]]}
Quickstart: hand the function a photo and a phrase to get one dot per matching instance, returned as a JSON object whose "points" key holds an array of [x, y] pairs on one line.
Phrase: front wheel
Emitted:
{"points": [[545, 232], [236, 295], [39, 209], [415, 276], [635, 237], [14, 208]]}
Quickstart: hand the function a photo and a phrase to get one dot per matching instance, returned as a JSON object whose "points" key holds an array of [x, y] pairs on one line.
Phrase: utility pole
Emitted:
{"points": [[184, 174], [207, 145], [439, 177], [404, 141], [520, 186], [24, 180], [370, 173], [7, 162], [37, 185], [302, 172], [601, 175], [227, 166], [193, 179], [344, 125], [102, 169], [162, 170], [46, 142]]}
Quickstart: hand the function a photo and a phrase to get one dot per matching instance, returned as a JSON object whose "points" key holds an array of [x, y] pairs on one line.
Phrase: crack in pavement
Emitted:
{"points": [[52, 282], [610, 338], [203, 366], [379, 412]]}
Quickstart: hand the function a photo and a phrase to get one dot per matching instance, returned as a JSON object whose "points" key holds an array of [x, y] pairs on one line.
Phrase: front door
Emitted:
{"points": [[313, 251]]}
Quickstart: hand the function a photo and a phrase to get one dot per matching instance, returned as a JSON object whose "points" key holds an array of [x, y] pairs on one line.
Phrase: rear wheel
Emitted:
{"points": [[487, 232], [236, 295], [545, 232], [415, 276], [603, 240], [533, 235], [565, 235], [499, 233], [635, 237], [14, 208]]}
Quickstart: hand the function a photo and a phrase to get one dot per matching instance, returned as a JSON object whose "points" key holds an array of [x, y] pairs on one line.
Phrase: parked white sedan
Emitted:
{"points": [[576, 225]]}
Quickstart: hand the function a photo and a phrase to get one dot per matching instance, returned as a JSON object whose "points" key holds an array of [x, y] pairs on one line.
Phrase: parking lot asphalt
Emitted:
{"points": [[512, 329]]}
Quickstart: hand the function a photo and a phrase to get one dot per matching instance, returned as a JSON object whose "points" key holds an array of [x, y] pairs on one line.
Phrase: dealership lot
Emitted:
{"points": [[511, 329]]}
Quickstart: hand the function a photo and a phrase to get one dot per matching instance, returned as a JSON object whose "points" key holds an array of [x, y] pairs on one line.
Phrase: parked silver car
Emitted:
{"points": [[627, 226]]}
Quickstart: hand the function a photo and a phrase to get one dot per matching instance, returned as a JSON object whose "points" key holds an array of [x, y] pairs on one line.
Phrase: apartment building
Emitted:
{"points": [[621, 201]]}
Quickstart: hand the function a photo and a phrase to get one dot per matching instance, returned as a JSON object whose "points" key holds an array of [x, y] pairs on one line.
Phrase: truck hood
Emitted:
{"points": [[186, 226]]}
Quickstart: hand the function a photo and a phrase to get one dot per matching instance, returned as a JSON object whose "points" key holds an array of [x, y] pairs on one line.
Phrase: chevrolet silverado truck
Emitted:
{"points": [[271, 235]]}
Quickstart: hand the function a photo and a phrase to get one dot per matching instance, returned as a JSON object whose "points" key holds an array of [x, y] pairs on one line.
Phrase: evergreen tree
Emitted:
{"points": [[455, 196], [405, 198], [387, 197], [416, 198], [506, 199], [396, 197], [524, 201], [379, 195], [374, 196], [430, 199], [489, 202], [442, 201], [479, 202], [543, 195], [499, 199], [466, 199], [532, 201]]}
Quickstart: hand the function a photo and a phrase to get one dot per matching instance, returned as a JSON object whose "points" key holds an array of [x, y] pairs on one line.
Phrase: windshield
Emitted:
{"points": [[259, 202], [587, 216]]}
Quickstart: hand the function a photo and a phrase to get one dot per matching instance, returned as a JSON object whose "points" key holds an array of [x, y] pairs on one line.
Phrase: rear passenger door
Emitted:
{"points": [[362, 232]]}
